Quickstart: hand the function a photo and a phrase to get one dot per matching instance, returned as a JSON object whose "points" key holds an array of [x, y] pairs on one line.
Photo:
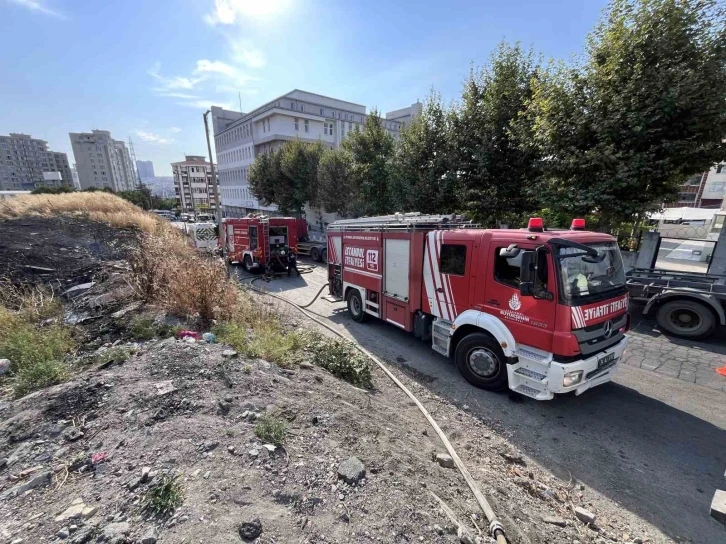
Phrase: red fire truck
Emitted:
{"points": [[258, 242], [539, 311]]}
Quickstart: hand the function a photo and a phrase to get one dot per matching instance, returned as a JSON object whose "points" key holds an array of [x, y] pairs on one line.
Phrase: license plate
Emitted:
{"points": [[606, 361]]}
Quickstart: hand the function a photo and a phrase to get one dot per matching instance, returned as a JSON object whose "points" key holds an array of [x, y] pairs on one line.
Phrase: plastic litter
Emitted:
{"points": [[99, 457], [188, 334], [209, 337]]}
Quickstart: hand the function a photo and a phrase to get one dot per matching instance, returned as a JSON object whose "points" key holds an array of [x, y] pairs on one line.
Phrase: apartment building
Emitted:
{"points": [[145, 170], [193, 184], [704, 190], [239, 137], [24, 160], [102, 161]]}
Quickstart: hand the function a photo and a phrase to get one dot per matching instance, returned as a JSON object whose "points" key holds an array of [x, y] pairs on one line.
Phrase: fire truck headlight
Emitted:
{"points": [[572, 378]]}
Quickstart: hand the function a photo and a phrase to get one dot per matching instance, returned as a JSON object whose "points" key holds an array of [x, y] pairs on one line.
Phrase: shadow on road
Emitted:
{"points": [[659, 462]]}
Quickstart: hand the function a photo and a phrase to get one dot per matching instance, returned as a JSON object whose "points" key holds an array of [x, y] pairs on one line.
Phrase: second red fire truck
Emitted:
{"points": [[539, 311]]}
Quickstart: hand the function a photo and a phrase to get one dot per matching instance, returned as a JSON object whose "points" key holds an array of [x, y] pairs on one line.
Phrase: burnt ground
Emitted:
{"points": [[81, 261], [59, 251]]}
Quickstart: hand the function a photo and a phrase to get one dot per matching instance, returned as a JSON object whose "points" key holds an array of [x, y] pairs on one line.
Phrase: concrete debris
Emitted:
{"points": [[63, 533], [585, 516], [718, 506], [464, 536], [554, 520], [4, 366], [444, 459], [250, 530], [351, 470], [114, 531], [150, 537], [145, 471], [209, 445], [306, 366], [229, 353]]}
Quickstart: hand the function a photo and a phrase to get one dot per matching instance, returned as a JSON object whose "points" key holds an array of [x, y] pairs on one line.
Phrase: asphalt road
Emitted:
{"points": [[650, 441]]}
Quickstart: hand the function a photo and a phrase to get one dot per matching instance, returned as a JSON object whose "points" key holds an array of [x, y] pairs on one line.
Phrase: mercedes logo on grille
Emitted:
{"points": [[608, 329]]}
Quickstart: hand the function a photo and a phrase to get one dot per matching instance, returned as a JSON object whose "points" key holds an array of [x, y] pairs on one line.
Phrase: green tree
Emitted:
{"points": [[139, 197], [265, 177], [371, 151], [336, 192], [495, 169], [645, 111], [423, 179], [299, 164], [61, 189]]}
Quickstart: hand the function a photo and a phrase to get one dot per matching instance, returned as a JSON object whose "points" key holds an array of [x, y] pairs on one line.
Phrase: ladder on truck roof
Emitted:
{"points": [[403, 221], [265, 223]]}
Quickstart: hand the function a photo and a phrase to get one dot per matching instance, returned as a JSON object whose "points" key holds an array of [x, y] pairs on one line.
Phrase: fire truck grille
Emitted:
{"points": [[530, 374]]}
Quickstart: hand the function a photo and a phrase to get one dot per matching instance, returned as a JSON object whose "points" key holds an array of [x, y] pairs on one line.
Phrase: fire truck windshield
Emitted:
{"points": [[587, 277]]}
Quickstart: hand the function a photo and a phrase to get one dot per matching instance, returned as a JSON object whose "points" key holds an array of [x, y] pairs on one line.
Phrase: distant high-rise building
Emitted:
{"points": [[102, 161], [24, 159], [193, 184], [146, 170], [240, 137]]}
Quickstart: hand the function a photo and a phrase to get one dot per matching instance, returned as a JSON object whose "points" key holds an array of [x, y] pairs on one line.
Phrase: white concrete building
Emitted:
{"points": [[193, 184], [404, 116], [240, 137], [24, 160], [102, 161]]}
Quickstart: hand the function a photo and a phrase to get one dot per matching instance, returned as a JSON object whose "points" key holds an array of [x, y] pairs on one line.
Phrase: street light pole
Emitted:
{"points": [[218, 201]]}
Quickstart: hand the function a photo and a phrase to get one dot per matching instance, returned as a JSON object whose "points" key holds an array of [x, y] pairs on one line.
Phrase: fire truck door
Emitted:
{"points": [[447, 270], [530, 319]]}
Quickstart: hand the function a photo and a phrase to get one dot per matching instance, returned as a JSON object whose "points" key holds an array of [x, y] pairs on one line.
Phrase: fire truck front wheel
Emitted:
{"points": [[481, 361], [247, 262], [355, 306]]}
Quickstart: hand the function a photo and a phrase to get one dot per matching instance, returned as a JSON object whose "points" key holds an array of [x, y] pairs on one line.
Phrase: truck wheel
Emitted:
{"points": [[324, 256], [355, 306], [247, 263], [315, 254], [686, 319], [481, 361]]}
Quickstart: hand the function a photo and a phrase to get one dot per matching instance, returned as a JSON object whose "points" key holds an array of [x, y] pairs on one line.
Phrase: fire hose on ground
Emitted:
{"points": [[495, 527]]}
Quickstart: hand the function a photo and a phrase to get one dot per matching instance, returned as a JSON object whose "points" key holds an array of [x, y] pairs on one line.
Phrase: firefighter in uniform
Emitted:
{"points": [[292, 262]]}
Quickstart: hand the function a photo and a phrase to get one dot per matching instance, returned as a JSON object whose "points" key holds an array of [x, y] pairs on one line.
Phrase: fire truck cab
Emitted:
{"points": [[257, 241], [539, 311]]}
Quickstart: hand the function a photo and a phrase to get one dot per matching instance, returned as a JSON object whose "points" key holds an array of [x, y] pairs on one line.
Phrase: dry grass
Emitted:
{"points": [[172, 274], [97, 206]]}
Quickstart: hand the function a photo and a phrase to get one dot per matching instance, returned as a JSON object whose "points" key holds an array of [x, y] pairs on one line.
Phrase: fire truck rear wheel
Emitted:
{"points": [[247, 262], [324, 256], [315, 254], [355, 306], [481, 361]]}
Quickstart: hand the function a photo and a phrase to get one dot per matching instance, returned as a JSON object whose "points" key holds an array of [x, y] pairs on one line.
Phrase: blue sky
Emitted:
{"points": [[149, 69]]}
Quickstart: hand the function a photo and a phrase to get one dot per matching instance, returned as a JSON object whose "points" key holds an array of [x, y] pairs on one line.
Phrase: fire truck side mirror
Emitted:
{"points": [[527, 274]]}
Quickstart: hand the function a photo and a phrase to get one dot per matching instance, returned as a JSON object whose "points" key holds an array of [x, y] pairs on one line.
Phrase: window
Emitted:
{"points": [[297, 124], [302, 107], [307, 125], [321, 111], [453, 259], [508, 270], [717, 187]]}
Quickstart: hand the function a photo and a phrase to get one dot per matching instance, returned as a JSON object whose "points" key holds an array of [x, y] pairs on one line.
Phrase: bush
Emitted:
{"points": [[271, 430], [145, 328], [111, 356], [163, 496], [266, 339], [36, 353], [341, 359]]}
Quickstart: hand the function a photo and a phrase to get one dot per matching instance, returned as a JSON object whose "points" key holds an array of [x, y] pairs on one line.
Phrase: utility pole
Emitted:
{"points": [[217, 200]]}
